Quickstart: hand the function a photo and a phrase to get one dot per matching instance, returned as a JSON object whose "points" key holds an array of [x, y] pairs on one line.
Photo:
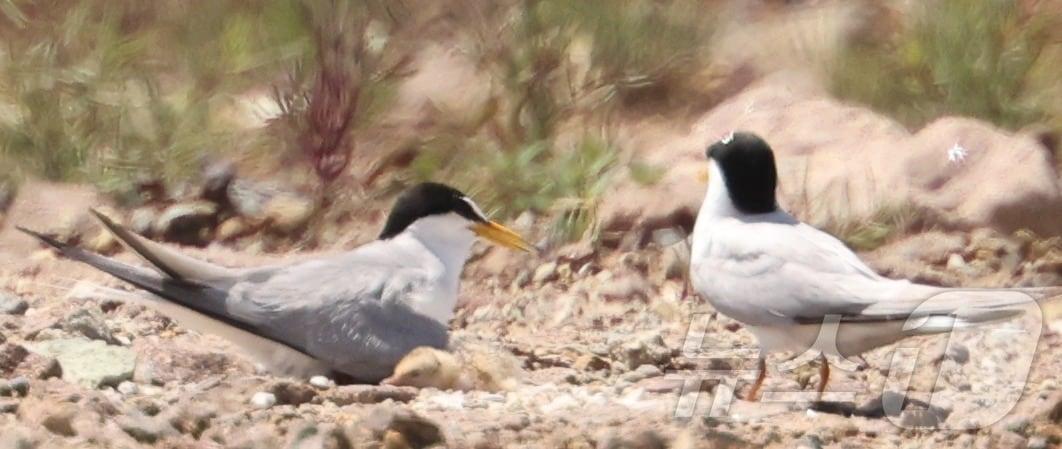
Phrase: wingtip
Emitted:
{"points": [[51, 241], [101, 217]]}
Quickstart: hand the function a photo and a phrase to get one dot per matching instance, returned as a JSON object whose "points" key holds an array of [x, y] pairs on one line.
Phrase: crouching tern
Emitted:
{"points": [[785, 280], [353, 315]]}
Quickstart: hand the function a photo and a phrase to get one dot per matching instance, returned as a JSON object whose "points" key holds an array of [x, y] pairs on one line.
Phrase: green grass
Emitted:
{"points": [[978, 58], [555, 64], [106, 91], [869, 233]]}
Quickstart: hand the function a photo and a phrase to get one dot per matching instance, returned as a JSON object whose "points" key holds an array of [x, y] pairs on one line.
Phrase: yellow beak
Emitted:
{"points": [[501, 235], [702, 175]]}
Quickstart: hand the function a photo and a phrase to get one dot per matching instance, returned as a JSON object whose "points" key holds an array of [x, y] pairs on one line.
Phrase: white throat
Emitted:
{"points": [[448, 241], [717, 203]]}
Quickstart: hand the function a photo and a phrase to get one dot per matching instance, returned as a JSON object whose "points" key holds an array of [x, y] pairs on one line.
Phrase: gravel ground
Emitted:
{"points": [[600, 342]]}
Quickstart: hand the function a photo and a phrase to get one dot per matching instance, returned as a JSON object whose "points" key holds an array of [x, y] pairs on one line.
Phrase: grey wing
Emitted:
{"points": [[345, 311], [791, 272], [782, 272]]}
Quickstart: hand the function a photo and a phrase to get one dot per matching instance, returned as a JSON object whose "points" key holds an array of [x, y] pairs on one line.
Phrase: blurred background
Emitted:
{"points": [[538, 106], [923, 133]]}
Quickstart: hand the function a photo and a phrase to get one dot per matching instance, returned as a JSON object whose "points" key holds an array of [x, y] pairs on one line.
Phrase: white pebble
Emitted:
{"points": [[263, 400], [128, 388], [562, 402], [449, 401], [322, 382]]}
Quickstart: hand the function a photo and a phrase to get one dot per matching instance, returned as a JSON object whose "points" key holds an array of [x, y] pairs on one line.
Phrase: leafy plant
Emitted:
{"points": [[109, 90], [981, 58]]}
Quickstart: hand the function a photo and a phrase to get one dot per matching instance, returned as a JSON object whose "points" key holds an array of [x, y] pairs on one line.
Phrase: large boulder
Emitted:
{"points": [[840, 162]]}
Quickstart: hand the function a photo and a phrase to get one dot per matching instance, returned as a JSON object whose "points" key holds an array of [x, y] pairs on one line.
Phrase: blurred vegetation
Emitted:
{"points": [[988, 59], [542, 142], [110, 90]]}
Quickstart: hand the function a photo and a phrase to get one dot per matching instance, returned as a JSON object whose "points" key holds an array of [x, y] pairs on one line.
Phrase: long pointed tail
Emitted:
{"points": [[172, 263], [145, 279]]}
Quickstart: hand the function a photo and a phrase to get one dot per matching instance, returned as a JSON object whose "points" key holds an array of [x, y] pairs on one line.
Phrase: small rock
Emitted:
{"points": [[90, 363], [676, 261], [810, 442], [292, 393], [634, 261], [186, 223], [90, 323], [648, 349], [318, 436], [522, 279], [144, 429], [630, 287], [546, 272], [956, 262], [8, 406], [1038, 443], [20, 386], [142, 221], [128, 388], [648, 439], [288, 213], [322, 382], [5, 388], [958, 353], [60, 420], [1011, 440], [913, 418], [369, 394], [11, 304], [17, 360], [192, 418], [642, 372], [263, 400], [516, 422], [576, 255], [402, 428], [1017, 424], [216, 180], [590, 362]]}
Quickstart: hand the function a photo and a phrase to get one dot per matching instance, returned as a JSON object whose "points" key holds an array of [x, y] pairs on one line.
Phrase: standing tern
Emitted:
{"points": [[354, 315], [784, 279]]}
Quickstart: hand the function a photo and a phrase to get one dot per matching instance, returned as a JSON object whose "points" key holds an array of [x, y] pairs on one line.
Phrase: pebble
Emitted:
{"points": [[1038, 443], [20, 385], [128, 388], [449, 401], [545, 273], [12, 305], [263, 400], [958, 353], [322, 382], [642, 372]]}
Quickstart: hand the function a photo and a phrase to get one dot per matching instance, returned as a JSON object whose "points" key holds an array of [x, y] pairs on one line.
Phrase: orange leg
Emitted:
{"points": [[824, 375], [753, 394]]}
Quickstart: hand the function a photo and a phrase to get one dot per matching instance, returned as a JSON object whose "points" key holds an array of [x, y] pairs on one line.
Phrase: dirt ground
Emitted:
{"points": [[607, 342]]}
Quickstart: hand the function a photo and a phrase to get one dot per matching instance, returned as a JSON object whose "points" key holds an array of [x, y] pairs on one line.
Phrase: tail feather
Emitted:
{"points": [[204, 299], [200, 307], [171, 263]]}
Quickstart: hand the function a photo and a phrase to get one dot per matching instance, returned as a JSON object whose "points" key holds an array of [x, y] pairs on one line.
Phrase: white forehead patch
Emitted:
{"points": [[475, 207], [727, 138]]}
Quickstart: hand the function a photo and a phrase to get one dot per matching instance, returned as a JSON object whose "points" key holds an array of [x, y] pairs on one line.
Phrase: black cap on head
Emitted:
{"points": [[427, 199], [747, 163]]}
